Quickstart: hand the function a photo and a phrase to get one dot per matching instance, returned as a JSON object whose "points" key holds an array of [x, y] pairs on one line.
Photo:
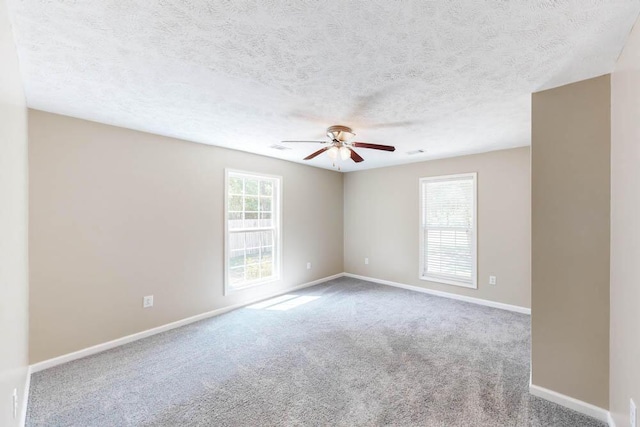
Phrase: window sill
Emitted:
{"points": [[449, 282], [228, 289]]}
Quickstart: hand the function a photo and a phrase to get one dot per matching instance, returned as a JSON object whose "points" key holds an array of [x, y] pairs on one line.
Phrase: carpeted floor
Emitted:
{"points": [[359, 354]]}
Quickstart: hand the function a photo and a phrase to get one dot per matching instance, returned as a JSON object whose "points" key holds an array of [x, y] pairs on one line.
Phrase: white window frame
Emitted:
{"points": [[277, 237], [474, 231]]}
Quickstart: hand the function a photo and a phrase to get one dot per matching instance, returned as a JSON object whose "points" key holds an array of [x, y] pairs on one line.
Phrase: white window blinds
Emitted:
{"points": [[448, 229]]}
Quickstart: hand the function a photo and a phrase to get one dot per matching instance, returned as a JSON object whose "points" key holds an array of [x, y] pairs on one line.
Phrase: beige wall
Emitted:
{"points": [[570, 168], [13, 226], [381, 223], [625, 232], [118, 214]]}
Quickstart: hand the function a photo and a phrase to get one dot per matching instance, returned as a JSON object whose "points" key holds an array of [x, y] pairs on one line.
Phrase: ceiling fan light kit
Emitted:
{"points": [[340, 145]]}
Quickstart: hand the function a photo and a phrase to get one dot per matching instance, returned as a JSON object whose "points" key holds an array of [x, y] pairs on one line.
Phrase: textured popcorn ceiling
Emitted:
{"points": [[448, 77]]}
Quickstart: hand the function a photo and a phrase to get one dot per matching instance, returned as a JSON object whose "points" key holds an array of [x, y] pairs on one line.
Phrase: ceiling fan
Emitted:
{"points": [[340, 144]]}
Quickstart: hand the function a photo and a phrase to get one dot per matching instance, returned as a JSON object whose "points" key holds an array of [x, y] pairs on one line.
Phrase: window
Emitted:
{"points": [[448, 229], [252, 229]]}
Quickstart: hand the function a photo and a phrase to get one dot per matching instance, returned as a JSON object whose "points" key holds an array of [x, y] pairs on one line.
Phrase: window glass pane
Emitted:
{"points": [[236, 241], [265, 220], [252, 239], [235, 185], [261, 237], [253, 272], [266, 269], [267, 253], [235, 203], [237, 258], [251, 220], [449, 252], [266, 188], [235, 220], [251, 186], [251, 204], [267, 238], [450, 203], [265, 204]]}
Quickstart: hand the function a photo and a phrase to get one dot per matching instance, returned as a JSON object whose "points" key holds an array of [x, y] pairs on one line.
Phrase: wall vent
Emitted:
{"points": [[411, 153], [280, 147]]}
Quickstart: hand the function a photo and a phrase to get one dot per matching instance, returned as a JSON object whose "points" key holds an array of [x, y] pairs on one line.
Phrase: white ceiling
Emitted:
{"points": [[448, 77]]}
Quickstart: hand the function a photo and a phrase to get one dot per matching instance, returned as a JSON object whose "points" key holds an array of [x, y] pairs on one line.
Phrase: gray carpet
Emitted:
{"points": [[359, 355]]}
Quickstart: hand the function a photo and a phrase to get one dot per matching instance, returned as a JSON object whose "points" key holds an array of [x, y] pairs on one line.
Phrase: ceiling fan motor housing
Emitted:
{"points": [[340, 133]]}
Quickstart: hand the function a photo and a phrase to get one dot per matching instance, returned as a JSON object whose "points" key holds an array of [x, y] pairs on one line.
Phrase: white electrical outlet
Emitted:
{"points": [[492, 280], [309, 265], [15, 403], [633, 416], [366, 260], [147, 301]]}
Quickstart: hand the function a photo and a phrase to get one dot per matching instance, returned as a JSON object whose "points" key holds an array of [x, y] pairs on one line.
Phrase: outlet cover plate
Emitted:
{"points": [[147, 301], [633, 413]]}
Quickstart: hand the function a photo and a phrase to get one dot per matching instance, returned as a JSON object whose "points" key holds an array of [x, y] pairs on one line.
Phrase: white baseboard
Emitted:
{"points": [[572, 403], [472, 300], [46, 364], [550, 395], [25, 398], [37, 367]]}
